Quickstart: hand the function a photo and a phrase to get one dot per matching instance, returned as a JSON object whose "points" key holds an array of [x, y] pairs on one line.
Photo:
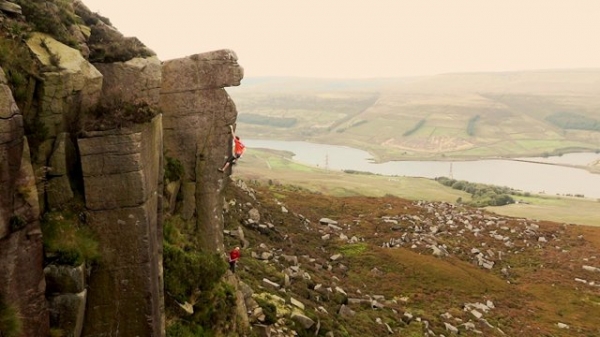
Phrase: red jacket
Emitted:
{"points": [[234, 255], [239, 147]]}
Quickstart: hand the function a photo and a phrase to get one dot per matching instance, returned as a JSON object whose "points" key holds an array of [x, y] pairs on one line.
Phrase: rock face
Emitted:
{"points": [[60, 164], [118, 172], [67, 296], [126, 286], [136, 79], [10, 7], [197, 114], [21, 258], [71, 85]]}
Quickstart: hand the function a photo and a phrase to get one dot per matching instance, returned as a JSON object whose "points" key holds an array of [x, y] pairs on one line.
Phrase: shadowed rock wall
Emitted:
{"points": [[21, 257], [122, 180], [119, 172], [122, 174], [197, 112], [123, 183], [68, 88]]}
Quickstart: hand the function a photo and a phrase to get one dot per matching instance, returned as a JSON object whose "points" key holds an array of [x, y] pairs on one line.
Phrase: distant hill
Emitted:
{"points": [[459, 115]]}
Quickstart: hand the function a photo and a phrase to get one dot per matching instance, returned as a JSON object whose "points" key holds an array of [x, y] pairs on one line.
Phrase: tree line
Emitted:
{"points": [[569, 120], [481, 194]]}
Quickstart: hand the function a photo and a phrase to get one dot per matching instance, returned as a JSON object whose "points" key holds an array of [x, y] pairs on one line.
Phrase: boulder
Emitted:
{"points": [[345, 311], [67, 312], [451, 328], [64, 279], [297, 303], [262, 330], [254, 215], [335, 257], [271, 284], [70, 85], [327, 221], [10, 7], [210, 70], [304, 321], [138, 79]]}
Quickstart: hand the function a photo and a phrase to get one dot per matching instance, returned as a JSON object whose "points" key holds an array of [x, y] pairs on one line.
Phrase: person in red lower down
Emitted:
{"points": [[238, 151], [234, 256]]}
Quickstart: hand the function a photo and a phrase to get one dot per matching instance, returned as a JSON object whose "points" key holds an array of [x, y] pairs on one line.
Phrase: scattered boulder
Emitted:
{"points": [[304, 321], [327, 221]]}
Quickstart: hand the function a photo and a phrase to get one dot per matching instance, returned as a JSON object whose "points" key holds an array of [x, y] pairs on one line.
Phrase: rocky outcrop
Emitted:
{"points": [[122, 172], [70, 86], [59, 172], [11, 142], [136, 79], [197, 114], [11, 8], [116, 169], [21, 258], [67, 296]]}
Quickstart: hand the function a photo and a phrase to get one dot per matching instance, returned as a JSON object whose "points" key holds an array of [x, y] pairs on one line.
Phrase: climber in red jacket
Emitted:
{"points": [[234, 256], [238, 150]]}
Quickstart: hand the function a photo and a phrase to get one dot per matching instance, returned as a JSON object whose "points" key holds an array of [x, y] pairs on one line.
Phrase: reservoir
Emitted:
{"points": [[533, 175]]}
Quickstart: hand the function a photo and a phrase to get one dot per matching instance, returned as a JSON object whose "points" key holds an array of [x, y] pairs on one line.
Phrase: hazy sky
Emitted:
{"points": [[368, 38]]}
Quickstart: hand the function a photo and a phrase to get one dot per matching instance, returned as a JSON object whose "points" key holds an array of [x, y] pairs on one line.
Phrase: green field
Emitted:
{"points": [[276, 167]]}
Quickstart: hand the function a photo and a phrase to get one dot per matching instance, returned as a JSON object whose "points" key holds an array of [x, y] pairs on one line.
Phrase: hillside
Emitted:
{"points": [[362, 266], [450, 115]]}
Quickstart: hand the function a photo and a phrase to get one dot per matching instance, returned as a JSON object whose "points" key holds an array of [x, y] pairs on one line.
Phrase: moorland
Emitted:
{"points": [[372, 266]]}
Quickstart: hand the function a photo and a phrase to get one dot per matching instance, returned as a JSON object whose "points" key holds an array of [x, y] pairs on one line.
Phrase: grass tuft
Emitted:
{"points": [[173, 169], [67, 241], [10, 322], [117, 114]]}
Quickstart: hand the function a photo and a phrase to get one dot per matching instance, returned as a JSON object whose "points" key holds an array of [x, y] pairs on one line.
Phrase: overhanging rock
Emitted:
{"points": [[197, 112]]}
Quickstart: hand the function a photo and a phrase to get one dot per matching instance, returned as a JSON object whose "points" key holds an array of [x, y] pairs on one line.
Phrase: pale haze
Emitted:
{"points": [[375, 38]]}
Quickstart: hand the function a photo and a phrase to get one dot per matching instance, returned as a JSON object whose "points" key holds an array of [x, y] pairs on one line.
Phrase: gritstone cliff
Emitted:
{"points": [[86, 117]]}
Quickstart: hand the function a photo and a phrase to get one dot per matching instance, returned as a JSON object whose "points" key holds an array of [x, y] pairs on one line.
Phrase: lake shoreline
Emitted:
{"points": [[376, 159], [568, 174]]}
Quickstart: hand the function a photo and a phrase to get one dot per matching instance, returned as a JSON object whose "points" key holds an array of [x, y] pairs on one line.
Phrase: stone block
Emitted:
{"points": [[63, 155], [64, 279], [136, 79], [67, 312], [210, 70]]}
